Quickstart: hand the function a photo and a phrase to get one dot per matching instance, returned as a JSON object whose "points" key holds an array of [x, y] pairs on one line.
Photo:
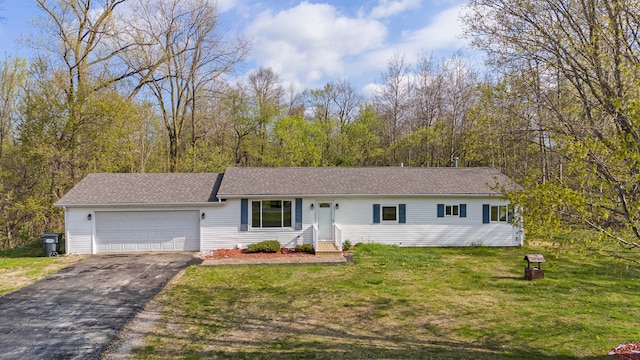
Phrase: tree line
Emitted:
{"points": [[149, 86]]}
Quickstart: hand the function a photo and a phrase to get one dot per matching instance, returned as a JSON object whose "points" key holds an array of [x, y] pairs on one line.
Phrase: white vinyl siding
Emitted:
{"points": [[78, 231], [221, 229], [423, 227], [147, 231]]}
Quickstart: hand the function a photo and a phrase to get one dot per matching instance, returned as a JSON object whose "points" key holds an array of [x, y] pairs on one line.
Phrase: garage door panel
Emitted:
{"points": [[131, 231]]}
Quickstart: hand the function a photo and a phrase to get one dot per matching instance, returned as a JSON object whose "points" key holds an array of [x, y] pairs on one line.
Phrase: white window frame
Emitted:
{"points": [[452, 210], [282, 213], [498, 211], [397, 213]]}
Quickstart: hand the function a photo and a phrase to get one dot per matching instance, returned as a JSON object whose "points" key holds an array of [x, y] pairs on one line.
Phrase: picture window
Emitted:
{"points": [[271, 214]]}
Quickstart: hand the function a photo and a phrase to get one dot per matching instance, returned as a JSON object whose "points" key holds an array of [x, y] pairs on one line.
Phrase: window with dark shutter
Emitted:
{"points": [[440, 210]]}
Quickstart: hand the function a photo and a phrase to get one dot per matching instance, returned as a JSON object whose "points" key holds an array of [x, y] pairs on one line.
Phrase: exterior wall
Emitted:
{"points": [[221, 229], [354, 217], [221, 226], [78, 231], [423, 227]]}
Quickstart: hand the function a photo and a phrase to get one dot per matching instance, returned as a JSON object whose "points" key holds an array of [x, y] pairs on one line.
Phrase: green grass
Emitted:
{"points": [[402, 303], [23, 266]]}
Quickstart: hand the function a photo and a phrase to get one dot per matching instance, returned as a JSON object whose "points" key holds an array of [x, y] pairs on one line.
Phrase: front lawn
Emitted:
{"points": [[23, 266], [402, 303]]}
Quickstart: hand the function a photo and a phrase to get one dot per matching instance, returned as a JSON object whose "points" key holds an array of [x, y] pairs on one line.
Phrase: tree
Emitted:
{"points": [[190, 56], [12, 80], [393, 102], [586, 55], [266, 96]]}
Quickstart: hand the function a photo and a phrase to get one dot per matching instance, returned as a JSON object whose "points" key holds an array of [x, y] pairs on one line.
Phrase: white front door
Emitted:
{"points": [[325, 221]]}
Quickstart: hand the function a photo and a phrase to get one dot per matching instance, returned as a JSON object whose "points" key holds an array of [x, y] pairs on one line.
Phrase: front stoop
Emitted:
{"points": [[327, 248]]}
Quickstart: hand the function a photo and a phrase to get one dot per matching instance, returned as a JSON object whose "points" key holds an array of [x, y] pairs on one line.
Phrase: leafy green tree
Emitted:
{"points": [[295, 142], [360, 143], [586, 57]]}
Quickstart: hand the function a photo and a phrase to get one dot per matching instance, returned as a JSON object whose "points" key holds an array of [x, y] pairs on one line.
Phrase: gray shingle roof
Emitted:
{"points": [[361, 181], [107, 189]]}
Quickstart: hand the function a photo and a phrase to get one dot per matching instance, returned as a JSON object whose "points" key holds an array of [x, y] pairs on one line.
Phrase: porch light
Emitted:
{"points": [[89, 217], [311, 206], [202, 216], [337, 206]]}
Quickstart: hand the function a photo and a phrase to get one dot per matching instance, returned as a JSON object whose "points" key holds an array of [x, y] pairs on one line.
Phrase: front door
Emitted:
{"points": [[325, 221]]}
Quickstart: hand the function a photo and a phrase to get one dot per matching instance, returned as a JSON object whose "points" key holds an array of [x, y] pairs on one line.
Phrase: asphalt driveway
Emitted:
{"points": [[75, 313]]}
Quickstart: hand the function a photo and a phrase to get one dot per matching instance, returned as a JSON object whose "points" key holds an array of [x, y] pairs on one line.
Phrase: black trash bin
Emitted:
{"points": [[51, 243]]}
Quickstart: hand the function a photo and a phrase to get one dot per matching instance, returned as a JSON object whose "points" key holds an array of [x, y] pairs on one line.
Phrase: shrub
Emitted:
{"points": [[346, 245], [267, 246], [306, 248]]}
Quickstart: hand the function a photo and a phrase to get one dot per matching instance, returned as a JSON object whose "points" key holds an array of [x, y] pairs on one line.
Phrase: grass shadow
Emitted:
{"points": [[33, 249]]}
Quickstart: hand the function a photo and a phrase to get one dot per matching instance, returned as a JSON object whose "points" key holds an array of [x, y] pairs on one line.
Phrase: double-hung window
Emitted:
{"points": [[266, 214]]}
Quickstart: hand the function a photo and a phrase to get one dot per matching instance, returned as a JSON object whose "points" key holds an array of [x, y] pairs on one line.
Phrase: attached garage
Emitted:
{"points": [[143, 231], [114, 213]]}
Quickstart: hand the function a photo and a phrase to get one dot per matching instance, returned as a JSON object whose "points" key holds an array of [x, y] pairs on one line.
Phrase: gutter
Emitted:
{"points": [[236, 196], [190, 204]]}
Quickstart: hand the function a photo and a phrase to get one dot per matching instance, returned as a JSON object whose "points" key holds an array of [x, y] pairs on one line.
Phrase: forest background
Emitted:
{"points": [[151, 89]]}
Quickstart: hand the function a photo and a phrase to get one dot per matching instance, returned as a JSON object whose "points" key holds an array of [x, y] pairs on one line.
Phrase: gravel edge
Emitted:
{"points": [[132, 335]]}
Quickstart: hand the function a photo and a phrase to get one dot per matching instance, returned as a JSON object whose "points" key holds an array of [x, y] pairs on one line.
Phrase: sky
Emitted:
{"points": [[310, 43]]}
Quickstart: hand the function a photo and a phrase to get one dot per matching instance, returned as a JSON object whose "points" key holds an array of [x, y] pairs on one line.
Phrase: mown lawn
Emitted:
{"points": [[402, 303], [23, 266]]}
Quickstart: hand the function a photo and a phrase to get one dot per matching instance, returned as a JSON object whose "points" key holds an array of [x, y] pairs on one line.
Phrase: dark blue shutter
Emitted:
{"points": [[402, 209], [440, 210], [485, 213], [463, 210], [298, 214], [244, 214], [376, 213]]}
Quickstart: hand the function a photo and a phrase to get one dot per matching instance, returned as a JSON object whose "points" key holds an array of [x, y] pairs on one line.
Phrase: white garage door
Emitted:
{"points": [[130, 231]]}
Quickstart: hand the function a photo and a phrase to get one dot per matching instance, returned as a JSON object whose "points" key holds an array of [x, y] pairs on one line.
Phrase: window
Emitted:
{"points": [[499, 213], [451, 210], [389, 213], [271, 214]]}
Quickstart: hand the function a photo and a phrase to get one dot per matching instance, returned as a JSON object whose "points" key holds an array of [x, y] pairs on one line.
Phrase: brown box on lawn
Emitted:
{"points": [[532, 273]]}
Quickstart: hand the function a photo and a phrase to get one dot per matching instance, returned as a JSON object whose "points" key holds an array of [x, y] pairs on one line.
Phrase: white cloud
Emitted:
{"points": [[311, 41], [387, 8], [445, 31], [226, 5]]}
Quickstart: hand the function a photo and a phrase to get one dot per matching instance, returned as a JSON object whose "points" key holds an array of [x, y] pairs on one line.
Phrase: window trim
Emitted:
{"points": [[501, 213], [452, 210], [282, 215], [396, 213]]}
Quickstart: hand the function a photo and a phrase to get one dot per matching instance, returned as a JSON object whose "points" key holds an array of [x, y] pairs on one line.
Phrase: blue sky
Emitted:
{"points": [[310, 43]]}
